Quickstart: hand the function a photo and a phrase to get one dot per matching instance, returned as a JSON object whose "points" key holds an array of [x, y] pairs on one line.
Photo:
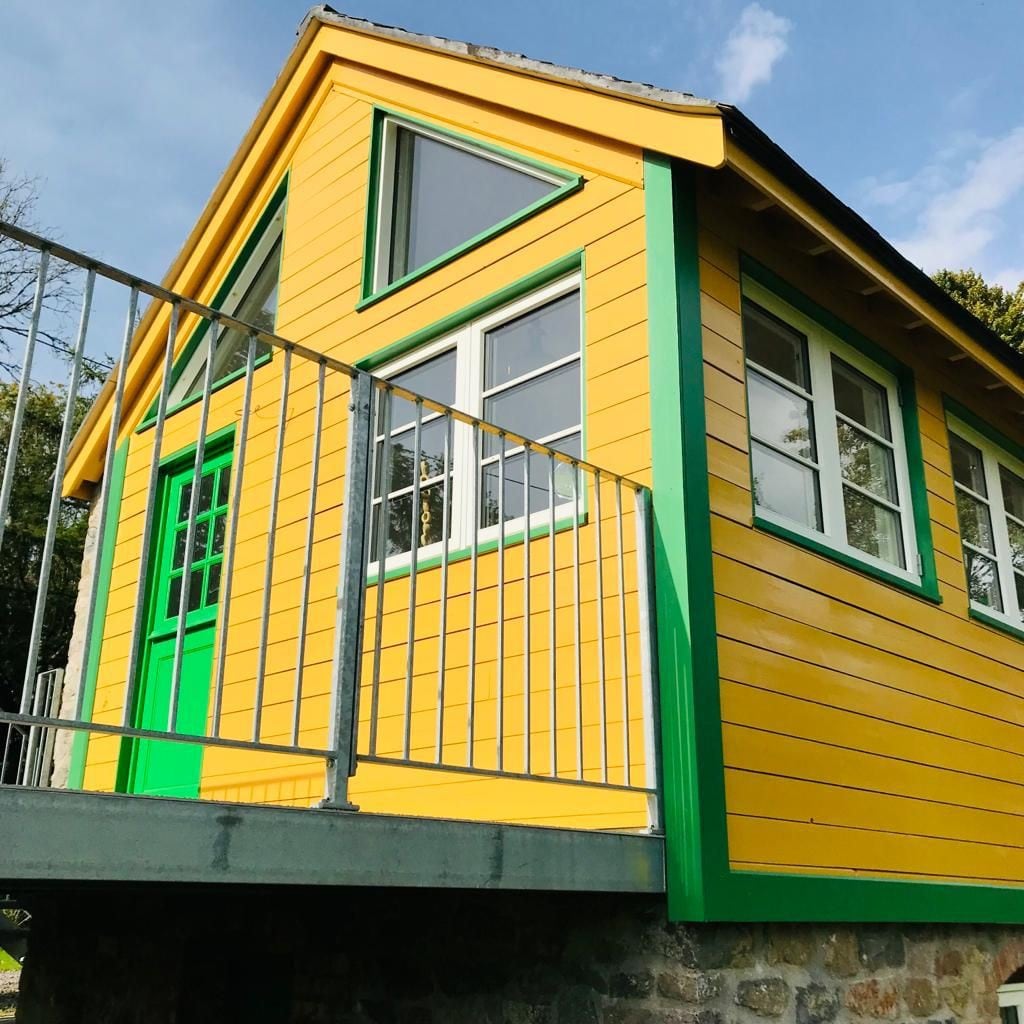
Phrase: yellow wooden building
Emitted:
{"points": [[765, 593]]}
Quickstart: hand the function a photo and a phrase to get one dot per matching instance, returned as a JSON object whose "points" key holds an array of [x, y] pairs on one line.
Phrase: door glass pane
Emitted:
{"points": [[213, 585], [968, 465], [531, 341], [780, 417], [860, 398], [1013, 492], [872, 528], [540, 483], [217, 547], [983, 580], [775, 346], [975, 521], [866, 463], [434, 379], [444, 195], [223, 487], [180, 539], [537, 407], [785, 487]]}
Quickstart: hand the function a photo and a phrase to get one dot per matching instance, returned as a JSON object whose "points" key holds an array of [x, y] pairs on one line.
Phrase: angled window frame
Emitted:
{"points": [[467, 341], [833, 337], [378, 214], [997, 451], [265, 234]]}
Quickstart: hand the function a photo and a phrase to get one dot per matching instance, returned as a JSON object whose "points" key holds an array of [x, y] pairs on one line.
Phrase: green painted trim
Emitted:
{"points": [[570, 264], [847, 558], [928, 588], [757, 896], [278, 200], [701, 884], [570, 183], [462, 554], [104, 567], [997, 437], [692, 761], [1017, 632]]}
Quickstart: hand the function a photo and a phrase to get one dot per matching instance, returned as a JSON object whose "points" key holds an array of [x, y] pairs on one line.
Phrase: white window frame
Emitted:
{"points": [[821, 346], [270, 237], [1011, 996], [386, 186], [468, 343], [993, 456]]}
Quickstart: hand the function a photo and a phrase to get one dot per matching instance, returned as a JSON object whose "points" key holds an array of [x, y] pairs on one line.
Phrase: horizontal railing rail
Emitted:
{"points": [[447, 596]]}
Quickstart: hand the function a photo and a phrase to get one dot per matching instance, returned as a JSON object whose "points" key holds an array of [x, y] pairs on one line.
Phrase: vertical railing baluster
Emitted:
{"points": [[552, 617], [148, 517], [414, 554], [648, 644], [499, 731], [624, 663], [526, 610], [228, 569], [190, 530], [24, 384], [602, 696], [104, 496], [307, 559], [383, 535], [268, 571], [576, 616], [53, 513], [443, 607], [474, 557], [349, 627]]}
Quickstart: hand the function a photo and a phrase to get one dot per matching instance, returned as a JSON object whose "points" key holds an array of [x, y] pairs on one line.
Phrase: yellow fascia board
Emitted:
{"points": [[788, 199], [694, 133], [194, 269]]}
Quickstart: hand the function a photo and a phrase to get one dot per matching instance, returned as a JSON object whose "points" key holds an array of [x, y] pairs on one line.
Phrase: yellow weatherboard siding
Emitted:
{"points": [[866, 731], [324, 146]]}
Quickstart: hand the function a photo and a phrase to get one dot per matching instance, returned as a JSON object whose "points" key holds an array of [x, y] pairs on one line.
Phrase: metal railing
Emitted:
{"points": [[28, 750], [524, 652]]}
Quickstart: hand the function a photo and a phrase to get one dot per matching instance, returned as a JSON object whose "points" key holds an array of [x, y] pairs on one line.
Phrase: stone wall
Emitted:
{"points": [[429, 957], [73, 671]]}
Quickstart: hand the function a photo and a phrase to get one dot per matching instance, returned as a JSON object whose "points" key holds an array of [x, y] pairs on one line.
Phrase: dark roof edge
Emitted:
{"points": [[748, 137]]}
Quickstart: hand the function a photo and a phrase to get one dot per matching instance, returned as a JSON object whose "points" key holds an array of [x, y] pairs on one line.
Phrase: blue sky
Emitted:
{"points": [[910, 112]]}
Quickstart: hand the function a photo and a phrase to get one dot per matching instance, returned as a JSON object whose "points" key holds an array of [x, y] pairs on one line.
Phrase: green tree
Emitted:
{"points": [[1001, 309]]}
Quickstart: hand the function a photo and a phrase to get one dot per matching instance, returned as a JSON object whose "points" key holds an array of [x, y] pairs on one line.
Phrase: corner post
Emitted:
{"points": [[351, 598]]}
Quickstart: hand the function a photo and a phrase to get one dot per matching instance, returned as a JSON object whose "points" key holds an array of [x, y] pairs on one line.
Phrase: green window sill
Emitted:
{"points": [[484, 548], [238, 374], [850, 561], [994, 622]]}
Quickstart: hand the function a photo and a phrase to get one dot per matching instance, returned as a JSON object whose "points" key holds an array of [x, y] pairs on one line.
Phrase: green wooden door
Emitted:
{"points": [[163, 768]]}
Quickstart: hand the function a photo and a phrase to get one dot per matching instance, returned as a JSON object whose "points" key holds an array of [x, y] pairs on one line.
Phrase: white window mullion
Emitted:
{"points": [[1000, 532], [830, 482]]}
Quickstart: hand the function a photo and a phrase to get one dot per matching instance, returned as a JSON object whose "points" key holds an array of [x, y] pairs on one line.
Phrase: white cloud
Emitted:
{"points": [[755, 45], [1008, 277], [960, 216]]}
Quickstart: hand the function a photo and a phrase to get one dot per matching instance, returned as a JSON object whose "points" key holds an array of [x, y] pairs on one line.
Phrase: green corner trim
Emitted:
{"points": [[692, 761], [104, 566], [702, 886], [569, 264], [928, 587], [368, 295], [270, 211]]}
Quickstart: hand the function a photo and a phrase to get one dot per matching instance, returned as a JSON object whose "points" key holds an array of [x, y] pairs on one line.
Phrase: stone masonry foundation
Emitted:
{"points": [[163, 956]]}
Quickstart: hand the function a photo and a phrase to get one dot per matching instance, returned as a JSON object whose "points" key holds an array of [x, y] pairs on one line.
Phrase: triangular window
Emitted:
{"points": [[251, 296], [438, 194]]}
